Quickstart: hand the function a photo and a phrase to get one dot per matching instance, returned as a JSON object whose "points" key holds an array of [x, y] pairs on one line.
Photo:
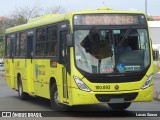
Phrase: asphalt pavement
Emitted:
{"points": [[9, 101]]}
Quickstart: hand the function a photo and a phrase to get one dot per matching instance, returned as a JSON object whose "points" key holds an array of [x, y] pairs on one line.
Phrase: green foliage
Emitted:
{"points": [[4, 24], [20, 16], [19, 20], [1, 38], [1, 49], [1, 45]]}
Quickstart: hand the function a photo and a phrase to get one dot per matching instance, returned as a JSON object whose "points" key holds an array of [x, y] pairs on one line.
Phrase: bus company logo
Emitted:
{"points": [[6, 114], [116, 87]]}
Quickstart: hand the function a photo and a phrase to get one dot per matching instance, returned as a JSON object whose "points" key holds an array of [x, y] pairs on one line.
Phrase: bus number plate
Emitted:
{"points": [[102, 87]]}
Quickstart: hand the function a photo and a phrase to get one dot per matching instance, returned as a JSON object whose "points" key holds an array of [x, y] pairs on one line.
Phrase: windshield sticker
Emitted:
{"points": [[78, 57], [116, 31], [132, 68], [121, 68], [107, 69]]}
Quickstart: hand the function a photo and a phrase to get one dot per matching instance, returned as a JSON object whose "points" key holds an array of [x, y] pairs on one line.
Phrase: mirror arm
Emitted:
{"points": [[69, 40]]}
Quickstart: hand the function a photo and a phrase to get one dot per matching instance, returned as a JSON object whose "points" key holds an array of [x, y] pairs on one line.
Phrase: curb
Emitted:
{"points": [[157, 92], [157, 95], [1, 76]]}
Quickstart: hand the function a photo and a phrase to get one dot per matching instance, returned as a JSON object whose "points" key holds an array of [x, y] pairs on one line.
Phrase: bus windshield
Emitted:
{"points": [[111, 50]]}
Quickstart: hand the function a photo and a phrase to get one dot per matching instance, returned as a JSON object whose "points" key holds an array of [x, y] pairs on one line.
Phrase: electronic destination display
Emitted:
{"points": [[109, 19]]}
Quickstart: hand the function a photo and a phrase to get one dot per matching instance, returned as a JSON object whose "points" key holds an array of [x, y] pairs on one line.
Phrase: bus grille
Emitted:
{"points": [[123, 79], [107, 97]]}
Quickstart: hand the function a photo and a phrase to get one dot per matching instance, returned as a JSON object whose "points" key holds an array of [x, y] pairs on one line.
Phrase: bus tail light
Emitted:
{"points": [[81, 84], [148, 82]]}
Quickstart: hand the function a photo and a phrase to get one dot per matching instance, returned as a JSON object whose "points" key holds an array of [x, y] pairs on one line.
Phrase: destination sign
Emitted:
{"points": [[109, 19]]}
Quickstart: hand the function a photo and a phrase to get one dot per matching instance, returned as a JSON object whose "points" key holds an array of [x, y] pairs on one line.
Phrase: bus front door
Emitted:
{"points": [[29, 65], [64, 53]]}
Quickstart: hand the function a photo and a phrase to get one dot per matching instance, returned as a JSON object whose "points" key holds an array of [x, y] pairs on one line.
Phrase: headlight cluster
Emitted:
{"points": [[148, 82], [81, 84]]}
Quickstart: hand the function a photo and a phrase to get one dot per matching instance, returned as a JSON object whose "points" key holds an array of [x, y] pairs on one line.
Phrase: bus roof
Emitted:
{"points": [[52, 18], [154, 23]]}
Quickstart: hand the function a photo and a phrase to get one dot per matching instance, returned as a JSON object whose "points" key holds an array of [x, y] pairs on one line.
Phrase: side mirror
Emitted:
{"points": [[155, 55], [69, 41]]}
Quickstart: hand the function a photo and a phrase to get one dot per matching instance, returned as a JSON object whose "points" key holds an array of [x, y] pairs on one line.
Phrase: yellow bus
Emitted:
{"points": [[80, 58]]}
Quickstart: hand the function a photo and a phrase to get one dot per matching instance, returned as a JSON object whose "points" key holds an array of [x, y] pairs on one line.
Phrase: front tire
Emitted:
{"points": [[22, 95], [55, 104], [119, 106]]}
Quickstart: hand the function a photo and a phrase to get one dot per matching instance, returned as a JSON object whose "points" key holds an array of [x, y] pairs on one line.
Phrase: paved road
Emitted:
{"points": [[9, 101]]}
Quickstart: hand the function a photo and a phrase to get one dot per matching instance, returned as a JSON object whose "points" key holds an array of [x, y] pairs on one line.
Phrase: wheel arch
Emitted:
{"points": [[51, 82], [18, 75]]}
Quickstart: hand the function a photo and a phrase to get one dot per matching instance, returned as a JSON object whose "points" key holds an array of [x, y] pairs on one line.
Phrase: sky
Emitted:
{"points": [[153, 6]]}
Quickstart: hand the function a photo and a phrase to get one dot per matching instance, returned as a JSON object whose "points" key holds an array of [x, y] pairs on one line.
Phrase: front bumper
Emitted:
{"points": [[80, 97]]}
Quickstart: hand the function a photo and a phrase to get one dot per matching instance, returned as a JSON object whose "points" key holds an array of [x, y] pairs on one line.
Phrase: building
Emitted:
{"points": [[154, 18], [2, 18], [154, 27]]}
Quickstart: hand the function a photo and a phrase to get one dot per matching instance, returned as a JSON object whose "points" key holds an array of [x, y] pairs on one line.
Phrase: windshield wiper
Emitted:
{"points": [[96, 31], [129, 29]]}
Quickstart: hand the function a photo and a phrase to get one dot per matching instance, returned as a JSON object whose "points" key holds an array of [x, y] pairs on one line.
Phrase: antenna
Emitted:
{"points": [[103, 3]]}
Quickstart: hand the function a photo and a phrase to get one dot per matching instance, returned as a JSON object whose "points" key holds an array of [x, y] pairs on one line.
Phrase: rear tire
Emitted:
{"points": [[119, 106], [22, 95], [55, 104]]}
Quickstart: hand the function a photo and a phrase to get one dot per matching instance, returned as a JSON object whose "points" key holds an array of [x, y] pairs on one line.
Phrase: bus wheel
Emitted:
{"points": [[54, 100], [22, 95], [119, 106]]}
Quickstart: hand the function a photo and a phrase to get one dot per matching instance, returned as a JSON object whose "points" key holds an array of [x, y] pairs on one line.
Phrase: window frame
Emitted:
{"points": [[40, 42], [58, 28], [8, 51], [55, 41]]}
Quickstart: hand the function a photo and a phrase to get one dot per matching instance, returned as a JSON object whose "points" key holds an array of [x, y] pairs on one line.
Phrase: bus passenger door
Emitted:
{"points": [[29, 65], [64, 58], [9, 62]]}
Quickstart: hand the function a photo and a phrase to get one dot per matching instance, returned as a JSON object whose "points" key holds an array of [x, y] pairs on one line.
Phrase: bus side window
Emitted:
{"points": [[51, 43], [40, 41], [8, 46]]}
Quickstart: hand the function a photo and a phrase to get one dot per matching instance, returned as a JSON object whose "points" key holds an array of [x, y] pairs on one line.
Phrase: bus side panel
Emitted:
{"points": [[63, 83], [9, 74], [41, 77], [30, 73], [42, 73], [20, 69]]}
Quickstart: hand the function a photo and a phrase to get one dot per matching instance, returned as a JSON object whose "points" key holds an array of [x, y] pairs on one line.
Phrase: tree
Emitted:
{"points": [[22, 15], [4, 24], [55, 10], [1, 49]]}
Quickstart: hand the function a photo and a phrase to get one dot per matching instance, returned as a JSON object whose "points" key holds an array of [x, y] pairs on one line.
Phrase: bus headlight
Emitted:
{"points": [[148, 82], [81, 84]]}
